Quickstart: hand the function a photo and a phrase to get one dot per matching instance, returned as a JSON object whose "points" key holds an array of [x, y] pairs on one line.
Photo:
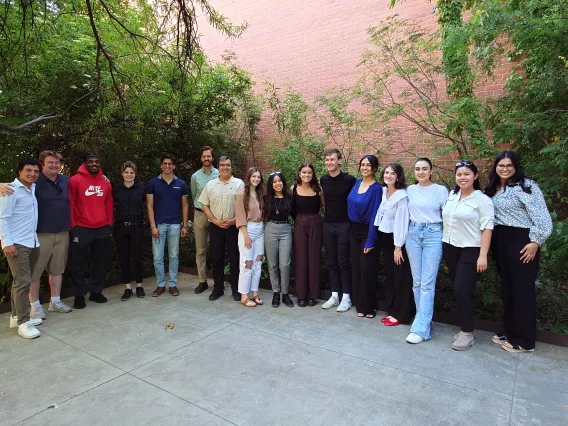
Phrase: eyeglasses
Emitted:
{"points": [[464, 163], [274, 173], [505, 166], [56, 185]]}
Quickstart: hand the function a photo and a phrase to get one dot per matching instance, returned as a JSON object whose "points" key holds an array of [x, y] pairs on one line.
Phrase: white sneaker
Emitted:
{"points": [[14, 321], [344, 306], [59, 306], [37, 312], [414, 338], [28, 331], [333, 301]]}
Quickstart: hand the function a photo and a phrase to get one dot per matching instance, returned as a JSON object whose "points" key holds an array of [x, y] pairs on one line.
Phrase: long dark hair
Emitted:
{"points": [[400, 177], [517, 179], [473, 168], [314, 184], [371, 159], [270, 193], [258, 189]]}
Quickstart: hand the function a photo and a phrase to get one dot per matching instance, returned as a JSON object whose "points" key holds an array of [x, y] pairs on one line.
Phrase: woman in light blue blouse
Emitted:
{"points": [[522, 225], [424, 245], [362, 204]]}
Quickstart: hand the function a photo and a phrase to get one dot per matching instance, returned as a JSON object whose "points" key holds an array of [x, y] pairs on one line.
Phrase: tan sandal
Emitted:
{"points": [[256, 299], [247, 302]]}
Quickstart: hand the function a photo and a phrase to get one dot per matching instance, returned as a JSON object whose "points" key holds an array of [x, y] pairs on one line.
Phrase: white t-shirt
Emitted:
{"points": [[425, 203]]}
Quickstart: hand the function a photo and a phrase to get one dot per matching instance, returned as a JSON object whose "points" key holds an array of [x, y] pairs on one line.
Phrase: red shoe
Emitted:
{"points": [[385, 319], [390, 323]]}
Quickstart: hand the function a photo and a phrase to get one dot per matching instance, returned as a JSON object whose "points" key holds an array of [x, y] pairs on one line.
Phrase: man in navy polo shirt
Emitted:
{"points": [[167, 202]]}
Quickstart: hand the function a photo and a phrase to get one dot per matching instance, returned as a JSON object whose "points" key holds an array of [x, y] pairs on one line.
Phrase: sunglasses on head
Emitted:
{"points": [[274, 173], [464, 163]]}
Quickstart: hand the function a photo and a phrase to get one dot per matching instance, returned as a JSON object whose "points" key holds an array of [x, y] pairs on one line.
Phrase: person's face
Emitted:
{"points": [[28, 174], [505, 168], [306, 174], [128, 175], [51, 166], [255, 179], [225, 169], [93, 165], [389, 176], [206, 158], [366, 168], [465, 178], [332, 163], [422, 171], [277, 184], [167, 166]]}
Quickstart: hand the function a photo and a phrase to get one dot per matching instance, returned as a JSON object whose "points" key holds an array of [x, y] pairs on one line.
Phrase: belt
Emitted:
{"points": [[278, 222], [425, 224], [129, 223], [198, 210]]}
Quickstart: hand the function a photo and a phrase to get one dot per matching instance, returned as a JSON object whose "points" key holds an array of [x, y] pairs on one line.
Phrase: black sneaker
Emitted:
{"points": [[287, 301], [215, 294], [140, 293], [79, 303], [98, 298], [276, 299], [302, 303], [312, 302], [127, 294], [201, 288], [237, 297]]}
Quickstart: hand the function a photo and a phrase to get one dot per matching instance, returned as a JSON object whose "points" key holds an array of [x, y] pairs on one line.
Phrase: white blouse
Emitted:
{"points": [[392, 216], [465, 219], [425, 203]]}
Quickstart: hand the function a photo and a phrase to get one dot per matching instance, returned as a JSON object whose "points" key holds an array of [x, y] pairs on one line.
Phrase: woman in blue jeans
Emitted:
{"points": [[424, 245]]}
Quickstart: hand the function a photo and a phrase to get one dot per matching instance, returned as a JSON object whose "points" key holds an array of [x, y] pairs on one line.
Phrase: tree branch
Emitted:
{"points": [[15, 129]]}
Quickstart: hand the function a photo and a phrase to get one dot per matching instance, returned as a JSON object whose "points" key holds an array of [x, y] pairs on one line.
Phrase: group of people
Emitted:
{"points": [[414, 227]]}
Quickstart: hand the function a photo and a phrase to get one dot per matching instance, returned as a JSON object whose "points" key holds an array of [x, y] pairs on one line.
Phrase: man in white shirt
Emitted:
{"points": [[18, 223], [218, 201]]}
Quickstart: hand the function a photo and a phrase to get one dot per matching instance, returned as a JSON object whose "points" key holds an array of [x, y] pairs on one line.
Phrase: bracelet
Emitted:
{"points": [[398, 249], [152, 227]]}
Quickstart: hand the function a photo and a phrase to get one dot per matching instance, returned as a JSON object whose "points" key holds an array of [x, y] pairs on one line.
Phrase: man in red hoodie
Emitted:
{"points": [[90, 196]]}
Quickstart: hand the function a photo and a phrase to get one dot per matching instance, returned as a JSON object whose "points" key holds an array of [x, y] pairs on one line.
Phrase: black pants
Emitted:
{"points": [[220, 240], [336, 243], [93, 242], [399, 300], [307, 255], [364, 270], [129, 240], [517, 284], [462, 265]]}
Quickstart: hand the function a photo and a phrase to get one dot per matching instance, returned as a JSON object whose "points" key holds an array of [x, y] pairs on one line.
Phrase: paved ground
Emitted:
{"points": [[116, 364]]}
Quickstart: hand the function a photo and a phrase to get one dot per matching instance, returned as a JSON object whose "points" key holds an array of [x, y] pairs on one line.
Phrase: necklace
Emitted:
{"points": [[277, 206]]}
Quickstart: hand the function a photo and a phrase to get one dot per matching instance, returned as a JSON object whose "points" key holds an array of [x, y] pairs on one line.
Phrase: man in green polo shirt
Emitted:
{"points": [[200, 223]]}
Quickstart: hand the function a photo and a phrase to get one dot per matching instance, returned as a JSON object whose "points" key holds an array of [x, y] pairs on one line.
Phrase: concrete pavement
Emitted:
{"points": [[222, 363]]}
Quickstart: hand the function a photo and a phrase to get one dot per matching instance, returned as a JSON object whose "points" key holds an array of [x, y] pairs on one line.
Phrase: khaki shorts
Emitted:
{"points": [[52, 254]]}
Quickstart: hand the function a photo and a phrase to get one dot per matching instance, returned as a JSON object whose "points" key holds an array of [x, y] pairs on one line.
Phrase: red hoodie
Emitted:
{"points": [[91, 199]]}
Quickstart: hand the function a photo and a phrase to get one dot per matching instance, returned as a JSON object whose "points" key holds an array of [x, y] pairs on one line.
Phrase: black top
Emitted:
{"points": [[308, 204], [54, 211], [335, 192], [129, 202], [280, 209]]}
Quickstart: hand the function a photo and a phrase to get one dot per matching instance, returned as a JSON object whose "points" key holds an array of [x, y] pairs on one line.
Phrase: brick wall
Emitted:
{"points": [[313, 45]]}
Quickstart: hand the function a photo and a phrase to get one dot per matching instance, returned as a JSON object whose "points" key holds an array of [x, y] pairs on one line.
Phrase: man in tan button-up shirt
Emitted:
{"points": [[218, 199]]}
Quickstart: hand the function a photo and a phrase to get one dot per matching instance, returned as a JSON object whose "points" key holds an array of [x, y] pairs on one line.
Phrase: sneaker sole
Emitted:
{"points": [[343, 310], [463, 349], [30, 337]]}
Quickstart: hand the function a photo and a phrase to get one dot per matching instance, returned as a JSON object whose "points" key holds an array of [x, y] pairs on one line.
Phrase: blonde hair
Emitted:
{"points": [[128, 165]]}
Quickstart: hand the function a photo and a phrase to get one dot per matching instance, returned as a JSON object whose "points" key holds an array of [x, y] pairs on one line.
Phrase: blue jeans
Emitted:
{"points": [[171, 232], [424, 248]]}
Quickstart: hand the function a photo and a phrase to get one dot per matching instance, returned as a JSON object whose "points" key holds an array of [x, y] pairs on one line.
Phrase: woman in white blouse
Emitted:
{"points": [[468, 223], [424, 245], [522, 225], [392, 220]]}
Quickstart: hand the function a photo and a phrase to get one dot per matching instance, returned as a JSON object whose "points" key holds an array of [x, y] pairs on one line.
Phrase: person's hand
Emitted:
{"points": [[398, 257], [155, 232], [11, 251], [248, 242], [529, 252], [367, 250], [482, 263], [6, 189], [184, 231]]}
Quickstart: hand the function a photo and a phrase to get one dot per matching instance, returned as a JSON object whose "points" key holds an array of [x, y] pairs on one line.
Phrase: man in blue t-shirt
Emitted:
{"points": [[167, 202]]}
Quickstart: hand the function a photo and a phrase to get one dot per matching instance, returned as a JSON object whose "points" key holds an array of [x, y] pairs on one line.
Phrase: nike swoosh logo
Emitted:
{"points": [[88, 193]]}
